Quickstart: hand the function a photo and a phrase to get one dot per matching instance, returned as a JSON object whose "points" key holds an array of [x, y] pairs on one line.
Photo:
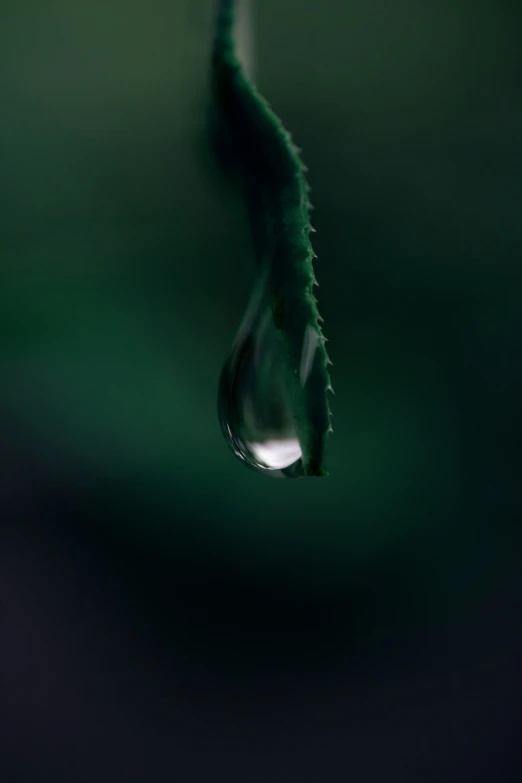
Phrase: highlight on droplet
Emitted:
{"points": [[276, 454]]}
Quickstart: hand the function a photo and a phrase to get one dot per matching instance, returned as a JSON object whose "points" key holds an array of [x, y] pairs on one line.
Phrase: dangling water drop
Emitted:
{"points": [[257, 405]]}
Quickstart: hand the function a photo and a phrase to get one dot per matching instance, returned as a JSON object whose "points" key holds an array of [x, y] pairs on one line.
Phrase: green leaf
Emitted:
{"points": [[282, 392]]}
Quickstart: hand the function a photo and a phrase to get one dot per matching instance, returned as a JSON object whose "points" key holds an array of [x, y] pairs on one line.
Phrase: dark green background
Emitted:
{"points": [[126, 265], [155, 590]]}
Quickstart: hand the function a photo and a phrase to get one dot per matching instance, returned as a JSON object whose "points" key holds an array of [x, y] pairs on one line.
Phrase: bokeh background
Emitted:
{"points": [[167, 614]]}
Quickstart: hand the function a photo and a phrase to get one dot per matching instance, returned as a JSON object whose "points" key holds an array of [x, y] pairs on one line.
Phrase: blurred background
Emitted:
{"points": [[165, 613]]}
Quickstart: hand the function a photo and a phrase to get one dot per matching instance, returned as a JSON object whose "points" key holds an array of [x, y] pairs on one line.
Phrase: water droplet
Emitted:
{"points": [[255, 401]]}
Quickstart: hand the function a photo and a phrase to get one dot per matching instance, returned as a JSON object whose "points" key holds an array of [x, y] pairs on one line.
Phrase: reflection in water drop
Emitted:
{"points": [[310, 341], [277, 453], [256, 410]]}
